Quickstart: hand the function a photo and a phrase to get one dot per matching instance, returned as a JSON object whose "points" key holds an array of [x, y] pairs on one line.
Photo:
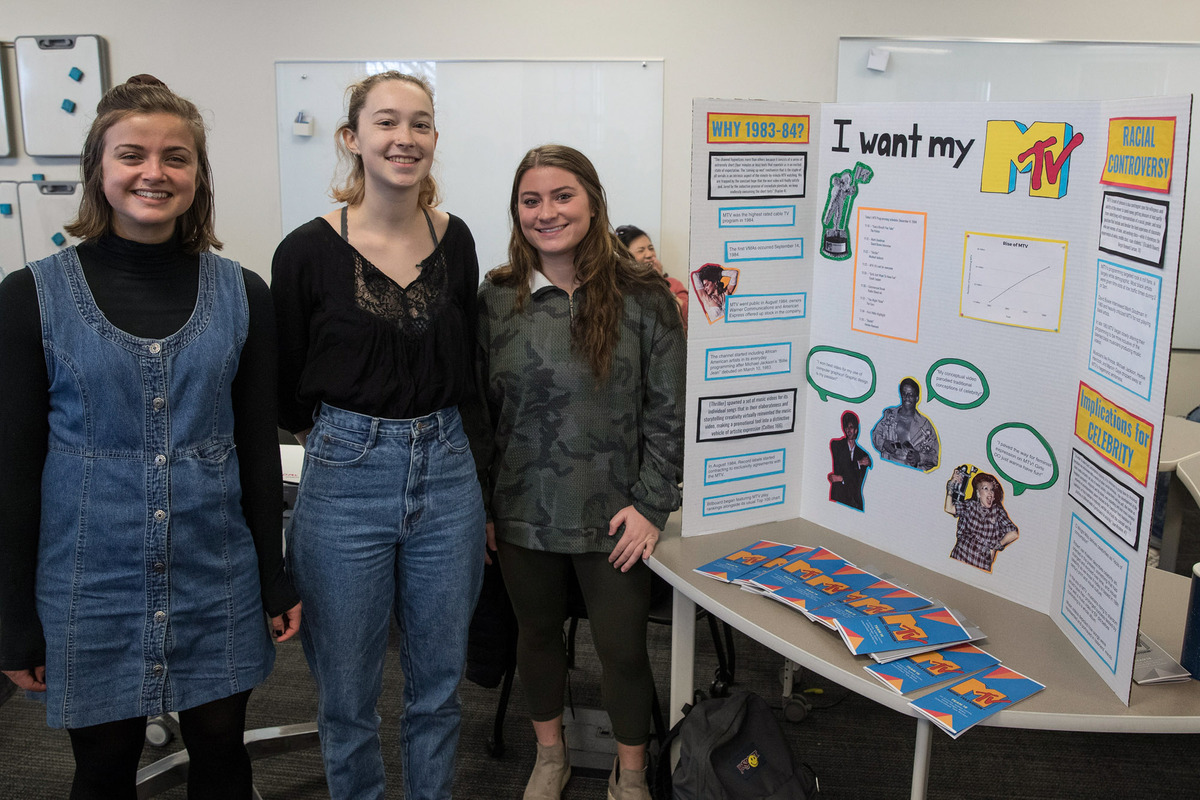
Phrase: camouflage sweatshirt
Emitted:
{"points": [[559, 455]]}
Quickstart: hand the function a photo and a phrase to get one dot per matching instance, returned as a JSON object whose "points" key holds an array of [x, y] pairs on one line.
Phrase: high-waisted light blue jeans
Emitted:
{"points": [[389, 518]]}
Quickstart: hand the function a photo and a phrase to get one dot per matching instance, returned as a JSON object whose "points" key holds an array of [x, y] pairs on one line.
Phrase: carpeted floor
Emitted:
{"points": [[857, 748]]}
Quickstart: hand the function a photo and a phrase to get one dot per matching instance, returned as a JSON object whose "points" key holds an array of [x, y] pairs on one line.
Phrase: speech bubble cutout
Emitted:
{"points": [[844, 374], [957, 383], [1022, 456]]}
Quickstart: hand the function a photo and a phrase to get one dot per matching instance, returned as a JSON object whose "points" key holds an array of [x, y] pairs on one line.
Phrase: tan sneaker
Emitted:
{"points": [[631, 785], [551, 771]]}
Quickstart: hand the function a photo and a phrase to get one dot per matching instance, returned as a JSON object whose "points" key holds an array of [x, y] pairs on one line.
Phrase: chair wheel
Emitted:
{"points": [[158, 734], [795, 711]]}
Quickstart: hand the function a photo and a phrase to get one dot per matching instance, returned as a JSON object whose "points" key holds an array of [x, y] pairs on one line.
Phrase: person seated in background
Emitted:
{"points": [[639, 244]]}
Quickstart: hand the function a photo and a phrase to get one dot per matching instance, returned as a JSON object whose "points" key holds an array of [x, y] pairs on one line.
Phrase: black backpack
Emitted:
{"points": [[732, 748]]}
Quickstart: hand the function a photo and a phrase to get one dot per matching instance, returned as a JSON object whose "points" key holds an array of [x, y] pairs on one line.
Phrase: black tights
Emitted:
{"points": [[106, 755]]}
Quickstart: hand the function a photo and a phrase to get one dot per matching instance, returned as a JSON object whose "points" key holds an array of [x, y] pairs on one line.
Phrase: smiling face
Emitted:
{"points": [[643, 250], [850, 428], [909, 395], [554, 212], [149, 166], [394, 135]]}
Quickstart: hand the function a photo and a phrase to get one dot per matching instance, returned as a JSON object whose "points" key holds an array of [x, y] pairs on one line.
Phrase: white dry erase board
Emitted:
{"points": [[12, 251], [6, 148], [997, 70], [489, 113], [45, 207], [62, 78]]}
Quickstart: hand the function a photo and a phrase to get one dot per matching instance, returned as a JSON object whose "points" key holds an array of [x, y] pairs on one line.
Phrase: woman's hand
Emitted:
{"points": [[31, 680], [636, 542], [490, 545], [286, 624]]}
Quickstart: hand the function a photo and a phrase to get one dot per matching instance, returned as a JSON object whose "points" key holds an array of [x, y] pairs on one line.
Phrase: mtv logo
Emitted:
{"points": [[1041, 150]]}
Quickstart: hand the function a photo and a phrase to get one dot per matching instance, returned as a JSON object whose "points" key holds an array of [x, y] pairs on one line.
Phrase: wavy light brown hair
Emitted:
{"points": [[144, 94], [354, 186], [604, 267]]}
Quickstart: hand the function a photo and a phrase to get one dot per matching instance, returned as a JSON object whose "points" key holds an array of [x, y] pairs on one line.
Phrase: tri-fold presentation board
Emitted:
{"points": [[62, 78], [942, 329]]}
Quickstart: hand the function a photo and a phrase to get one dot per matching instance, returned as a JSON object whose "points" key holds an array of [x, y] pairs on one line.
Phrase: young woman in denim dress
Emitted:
{"points": [[140, 478], [376, 311]]}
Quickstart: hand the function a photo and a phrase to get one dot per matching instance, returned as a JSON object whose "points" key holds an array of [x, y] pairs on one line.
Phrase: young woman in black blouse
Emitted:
{"points": [[376, 310], [140, 472]]}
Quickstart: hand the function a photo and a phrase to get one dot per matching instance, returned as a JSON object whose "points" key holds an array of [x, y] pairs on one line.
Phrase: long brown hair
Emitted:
{"points": [[144, 94], [354, 186], [604, 267]]}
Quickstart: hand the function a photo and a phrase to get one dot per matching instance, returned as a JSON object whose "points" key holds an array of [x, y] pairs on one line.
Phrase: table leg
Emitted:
{"points": [[920, 778], [683, 653], [1172, 525]]}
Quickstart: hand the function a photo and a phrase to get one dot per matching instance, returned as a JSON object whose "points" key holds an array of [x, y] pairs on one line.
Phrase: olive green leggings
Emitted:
{"points": [[618, 604]]}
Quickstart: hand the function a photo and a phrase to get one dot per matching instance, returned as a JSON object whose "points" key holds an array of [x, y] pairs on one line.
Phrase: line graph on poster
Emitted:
{"points": [[1013, 280]]}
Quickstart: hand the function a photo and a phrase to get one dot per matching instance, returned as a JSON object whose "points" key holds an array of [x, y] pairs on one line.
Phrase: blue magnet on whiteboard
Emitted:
{"points": [[37, 176], [6, 209], [76, 74], [68, 106], [58, 239]]}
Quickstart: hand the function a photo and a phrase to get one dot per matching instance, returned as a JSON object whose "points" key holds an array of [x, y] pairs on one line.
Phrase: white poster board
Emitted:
{"points": [[1003, 264], [885, 69], [489, 113]]}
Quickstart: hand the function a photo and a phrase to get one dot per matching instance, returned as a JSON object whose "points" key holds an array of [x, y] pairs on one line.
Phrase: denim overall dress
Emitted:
{"points": [[147, 581]]}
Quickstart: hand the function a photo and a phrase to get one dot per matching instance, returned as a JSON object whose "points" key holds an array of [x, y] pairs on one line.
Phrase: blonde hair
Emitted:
{"points": [[144, 94], [352, 189], [602, 263]]}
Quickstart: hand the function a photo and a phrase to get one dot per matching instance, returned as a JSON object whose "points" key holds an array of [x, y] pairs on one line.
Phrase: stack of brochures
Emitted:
{"points": [[917, 643]]}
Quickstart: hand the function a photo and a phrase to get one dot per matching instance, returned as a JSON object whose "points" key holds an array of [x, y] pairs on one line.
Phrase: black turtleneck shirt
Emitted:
{"points": [[148, 291]]}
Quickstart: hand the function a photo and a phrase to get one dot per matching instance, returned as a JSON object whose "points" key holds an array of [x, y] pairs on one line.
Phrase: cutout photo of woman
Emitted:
{"points": [[984, 527]]}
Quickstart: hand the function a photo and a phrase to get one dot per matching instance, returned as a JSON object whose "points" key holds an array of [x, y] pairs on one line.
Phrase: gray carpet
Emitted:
{"points": [[857, 748]]}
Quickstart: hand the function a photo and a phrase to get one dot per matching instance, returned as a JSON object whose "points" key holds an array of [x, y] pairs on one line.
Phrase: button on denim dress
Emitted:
{"points": [[147, 582]]}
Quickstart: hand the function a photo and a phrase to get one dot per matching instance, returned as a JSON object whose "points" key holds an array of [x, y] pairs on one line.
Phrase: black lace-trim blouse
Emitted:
{"points": [[352, 337]]}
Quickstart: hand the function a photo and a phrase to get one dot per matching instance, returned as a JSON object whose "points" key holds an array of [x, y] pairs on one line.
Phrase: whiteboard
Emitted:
{"points": [[45, 207], [12, 252], [53, 72], [489, 113], [6, 148], [996, 70]]}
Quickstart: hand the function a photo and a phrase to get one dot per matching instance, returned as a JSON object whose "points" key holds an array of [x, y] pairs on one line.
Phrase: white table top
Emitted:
{"points": [[1188, 472], [1075, 697], [1180, 440]]}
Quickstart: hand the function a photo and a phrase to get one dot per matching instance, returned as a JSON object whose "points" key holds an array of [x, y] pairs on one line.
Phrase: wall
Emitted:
{"points": [[221, 53]]}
